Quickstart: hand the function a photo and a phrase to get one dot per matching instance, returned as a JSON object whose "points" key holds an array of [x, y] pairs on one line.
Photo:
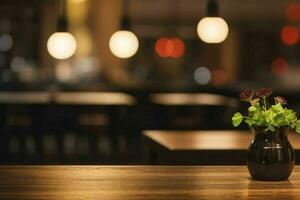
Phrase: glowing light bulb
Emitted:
{"points": [[61, 45], [123, 44], [212, 29]]}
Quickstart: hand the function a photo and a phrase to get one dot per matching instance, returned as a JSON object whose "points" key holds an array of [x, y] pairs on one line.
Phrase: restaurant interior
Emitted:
{"points": [[149, 99], [133, 82]]}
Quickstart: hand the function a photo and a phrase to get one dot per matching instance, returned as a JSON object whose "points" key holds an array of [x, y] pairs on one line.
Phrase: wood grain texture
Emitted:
{"points": [[140, 182], [208, 140]]}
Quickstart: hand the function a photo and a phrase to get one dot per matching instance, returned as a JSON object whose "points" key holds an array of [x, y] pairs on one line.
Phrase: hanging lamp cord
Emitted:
{"points": [[212, 8], [62, 24]]}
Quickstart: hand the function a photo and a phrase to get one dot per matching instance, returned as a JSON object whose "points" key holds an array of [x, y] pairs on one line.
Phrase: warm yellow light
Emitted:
{"points": [[63, 71], [77, 1], [61, 45], [123, 44], [212, 29]]}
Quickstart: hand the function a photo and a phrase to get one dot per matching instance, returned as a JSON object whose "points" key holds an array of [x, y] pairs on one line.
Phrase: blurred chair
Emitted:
{"points": [[94, 111], [20, 110], [93, 124]]}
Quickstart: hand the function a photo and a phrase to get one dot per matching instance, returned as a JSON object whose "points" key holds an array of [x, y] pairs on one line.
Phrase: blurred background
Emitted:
{"points": [[81, 79]]}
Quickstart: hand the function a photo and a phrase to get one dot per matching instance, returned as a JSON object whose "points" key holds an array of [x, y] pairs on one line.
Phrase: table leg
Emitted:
{"points": [[113, 134]]}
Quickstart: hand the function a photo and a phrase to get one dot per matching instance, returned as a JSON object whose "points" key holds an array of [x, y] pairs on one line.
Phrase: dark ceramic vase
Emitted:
{"points": [[270, 156]]}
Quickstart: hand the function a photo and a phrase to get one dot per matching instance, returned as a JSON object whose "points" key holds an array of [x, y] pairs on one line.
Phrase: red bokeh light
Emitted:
{"points": [[279, 66], [169, 47], [293, 12], [161, 47], [289, 35], [218, 77], [178, 48]]}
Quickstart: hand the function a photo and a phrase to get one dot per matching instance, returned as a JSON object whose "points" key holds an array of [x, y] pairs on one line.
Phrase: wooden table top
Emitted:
{"points": [[69, 98], [208, 140], [25, 97], [94, 98], [175, 99], [140, 182]]}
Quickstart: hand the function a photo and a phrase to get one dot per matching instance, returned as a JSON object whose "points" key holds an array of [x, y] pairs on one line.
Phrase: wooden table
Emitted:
{"points": [[203, 147], [185, 99], [94, 98], [25, 97], [69, 98], [192, 110], [140, 182]]}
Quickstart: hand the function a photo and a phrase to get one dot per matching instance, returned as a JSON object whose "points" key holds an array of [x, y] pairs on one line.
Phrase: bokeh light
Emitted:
{"points": [[212, 29], [123, 44], [27, 74], [178, 47], [170, 47], [63, 71], [17, 63], [61, 45], [279, 66], [293, 11], [218, 77], [162, 47], [77, 1], [6, 42], [202, 75], [289, 35]]}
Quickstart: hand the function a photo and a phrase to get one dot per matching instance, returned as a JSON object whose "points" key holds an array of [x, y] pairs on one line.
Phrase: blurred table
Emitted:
{"points": [[193, 110], [93, 98], [176, 99], [70, 98], [203, 147], [25, 97], [140, 182]]}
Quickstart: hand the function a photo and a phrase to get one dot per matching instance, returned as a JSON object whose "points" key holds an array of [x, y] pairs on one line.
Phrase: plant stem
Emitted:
{"points": [[265, 103]]}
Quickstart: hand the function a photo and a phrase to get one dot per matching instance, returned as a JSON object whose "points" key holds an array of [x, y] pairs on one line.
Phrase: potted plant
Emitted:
{"points": [[270, 155]]}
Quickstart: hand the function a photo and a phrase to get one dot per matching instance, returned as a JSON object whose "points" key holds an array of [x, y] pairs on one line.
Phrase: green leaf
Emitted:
{"points": [[237, 119], [250, 121], [252, 109], [262, 114], [277, 108], [279, 120], [298, 126], [270, 128], [291, 117], [269, 115]]}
